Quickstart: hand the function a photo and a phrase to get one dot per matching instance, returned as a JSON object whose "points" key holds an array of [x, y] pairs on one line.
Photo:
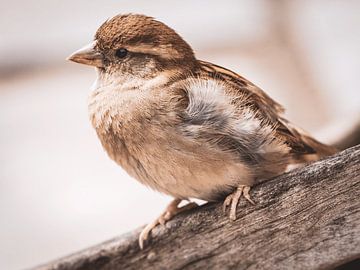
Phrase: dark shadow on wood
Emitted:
{"points": [[353, 265]]}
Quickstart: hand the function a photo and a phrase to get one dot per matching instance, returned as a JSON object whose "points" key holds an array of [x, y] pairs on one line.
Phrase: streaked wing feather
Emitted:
{"points": [[261, 102]]}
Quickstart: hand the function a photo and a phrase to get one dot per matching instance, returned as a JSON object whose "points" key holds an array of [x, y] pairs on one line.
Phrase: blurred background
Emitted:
{"points": [[59, 192]]}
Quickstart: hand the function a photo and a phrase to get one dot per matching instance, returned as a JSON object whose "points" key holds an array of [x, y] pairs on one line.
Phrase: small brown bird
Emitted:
{"points": [[182, 126]]}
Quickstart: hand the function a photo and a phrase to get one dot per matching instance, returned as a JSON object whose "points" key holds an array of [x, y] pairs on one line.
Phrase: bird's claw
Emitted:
{"points": [[233, 200], [169, 213]]}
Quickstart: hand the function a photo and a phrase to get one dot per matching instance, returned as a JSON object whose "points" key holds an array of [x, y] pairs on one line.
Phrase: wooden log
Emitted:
{"points": [[306, 219]]}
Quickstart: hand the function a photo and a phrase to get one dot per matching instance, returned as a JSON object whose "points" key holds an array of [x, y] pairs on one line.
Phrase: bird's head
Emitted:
{"points": [[135, 46]]}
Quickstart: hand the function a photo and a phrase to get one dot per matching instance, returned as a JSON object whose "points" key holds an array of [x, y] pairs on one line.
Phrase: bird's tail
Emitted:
{"points": [[346, 140], [321, 150]]}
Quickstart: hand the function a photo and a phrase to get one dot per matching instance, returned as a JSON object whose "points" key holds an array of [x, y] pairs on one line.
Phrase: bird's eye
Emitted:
{"points": [[121, 53]]}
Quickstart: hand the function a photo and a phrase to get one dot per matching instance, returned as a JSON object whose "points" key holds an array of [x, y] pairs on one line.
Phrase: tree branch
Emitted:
{"points": [[306, 219]]}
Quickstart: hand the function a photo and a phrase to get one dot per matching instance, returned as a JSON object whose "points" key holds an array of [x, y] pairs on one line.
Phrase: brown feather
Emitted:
{"points": [[299, 142]]}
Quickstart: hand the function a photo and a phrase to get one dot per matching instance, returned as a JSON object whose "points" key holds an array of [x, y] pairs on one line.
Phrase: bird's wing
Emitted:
{"points": [[249, 122]]}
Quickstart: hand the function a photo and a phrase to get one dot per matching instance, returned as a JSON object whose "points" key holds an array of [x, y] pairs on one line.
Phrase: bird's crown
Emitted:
{"points": [[143, 33]]}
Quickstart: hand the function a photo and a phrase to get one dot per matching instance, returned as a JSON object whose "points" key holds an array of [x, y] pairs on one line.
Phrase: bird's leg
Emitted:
{"points": [[233, 200], [171, 210]]}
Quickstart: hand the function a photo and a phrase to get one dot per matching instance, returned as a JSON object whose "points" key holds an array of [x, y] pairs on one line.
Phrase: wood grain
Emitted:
{"points": [[306, 219]]}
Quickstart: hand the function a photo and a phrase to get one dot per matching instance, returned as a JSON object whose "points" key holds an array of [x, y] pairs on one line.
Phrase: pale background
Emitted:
{"points": [[59, 192]]}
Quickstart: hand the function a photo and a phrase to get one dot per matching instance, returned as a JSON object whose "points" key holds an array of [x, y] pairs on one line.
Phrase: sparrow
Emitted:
{"points": [[182, 126]]}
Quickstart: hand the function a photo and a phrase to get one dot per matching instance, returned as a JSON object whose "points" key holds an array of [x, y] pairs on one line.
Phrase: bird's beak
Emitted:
{"points": [[87, 55]]}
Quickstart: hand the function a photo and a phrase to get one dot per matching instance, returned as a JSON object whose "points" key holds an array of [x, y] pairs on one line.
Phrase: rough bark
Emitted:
{"points": [[306, 219]]}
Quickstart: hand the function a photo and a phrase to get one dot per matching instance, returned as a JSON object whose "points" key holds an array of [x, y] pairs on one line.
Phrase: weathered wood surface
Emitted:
{"points": [[306, 219]]}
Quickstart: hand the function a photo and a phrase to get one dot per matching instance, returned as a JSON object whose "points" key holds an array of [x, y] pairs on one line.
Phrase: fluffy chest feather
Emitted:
{"points": [[196, 151]]}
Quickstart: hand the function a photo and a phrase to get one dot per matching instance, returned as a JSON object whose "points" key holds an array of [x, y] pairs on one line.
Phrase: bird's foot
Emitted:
{"points": [[171, 210], [233, 200]]}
